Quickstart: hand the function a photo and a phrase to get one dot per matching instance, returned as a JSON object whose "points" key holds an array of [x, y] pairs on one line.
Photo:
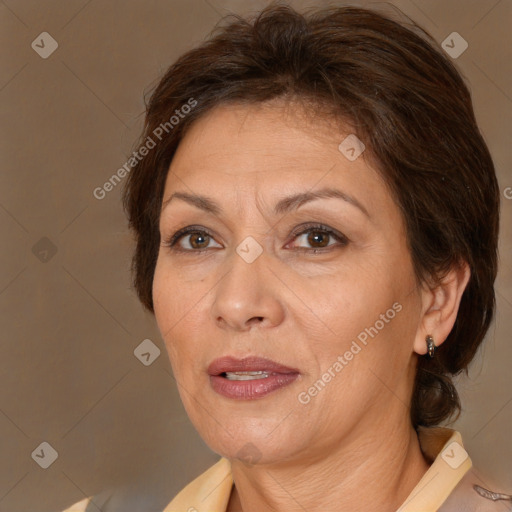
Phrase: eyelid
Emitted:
{"points": [[187, 230], [302, 229], [316, 226], [310, 226]]}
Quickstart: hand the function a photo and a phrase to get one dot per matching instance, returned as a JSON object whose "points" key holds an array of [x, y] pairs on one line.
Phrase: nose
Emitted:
{"points": [[248, 295]]}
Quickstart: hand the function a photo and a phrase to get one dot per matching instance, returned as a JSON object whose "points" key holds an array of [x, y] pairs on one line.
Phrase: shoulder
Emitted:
{"points": [[80, 506], [475, 493], [209, 491], [93, 503]]}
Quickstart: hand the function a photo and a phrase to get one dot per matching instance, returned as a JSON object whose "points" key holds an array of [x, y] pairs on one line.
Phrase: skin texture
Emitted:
{"points": [[298, 308]]}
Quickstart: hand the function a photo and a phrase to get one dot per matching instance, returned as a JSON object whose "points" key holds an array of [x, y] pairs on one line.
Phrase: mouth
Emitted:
{"points": [[245, 375], [249, 378]]}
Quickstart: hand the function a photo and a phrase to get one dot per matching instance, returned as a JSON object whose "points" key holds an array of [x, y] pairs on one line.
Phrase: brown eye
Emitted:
{"points": [[319, 237], [198, 240]]}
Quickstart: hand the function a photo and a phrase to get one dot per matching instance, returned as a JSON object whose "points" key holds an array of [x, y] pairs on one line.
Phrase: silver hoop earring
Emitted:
{"points": [[431, 346]]}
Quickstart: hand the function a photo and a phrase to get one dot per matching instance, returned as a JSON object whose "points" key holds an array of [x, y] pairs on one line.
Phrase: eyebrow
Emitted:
{"points": [[284, 205]]}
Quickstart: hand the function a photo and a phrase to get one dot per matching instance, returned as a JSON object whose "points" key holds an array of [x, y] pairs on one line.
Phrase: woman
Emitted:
{"points": [[316, 217]]}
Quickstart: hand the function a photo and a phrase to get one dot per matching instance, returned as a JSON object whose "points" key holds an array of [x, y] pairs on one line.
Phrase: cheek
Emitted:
{"points": [[348, 299], [171, 305], [164, 302], [363, 311], [180, 307], [173, 295]]}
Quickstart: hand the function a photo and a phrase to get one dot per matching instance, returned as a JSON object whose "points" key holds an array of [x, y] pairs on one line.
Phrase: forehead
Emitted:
{"points": [[255, 133], [269, 149]]}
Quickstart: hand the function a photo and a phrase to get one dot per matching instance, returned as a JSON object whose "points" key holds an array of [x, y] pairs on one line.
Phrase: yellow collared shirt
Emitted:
{"points": [[210, 492]]}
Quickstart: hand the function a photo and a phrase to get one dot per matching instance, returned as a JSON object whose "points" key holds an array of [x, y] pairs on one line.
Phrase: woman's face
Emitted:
{"points": [[247, 283]]}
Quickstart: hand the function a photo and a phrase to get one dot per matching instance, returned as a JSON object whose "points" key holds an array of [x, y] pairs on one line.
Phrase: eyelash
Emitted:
{"points": [[173, 240]]}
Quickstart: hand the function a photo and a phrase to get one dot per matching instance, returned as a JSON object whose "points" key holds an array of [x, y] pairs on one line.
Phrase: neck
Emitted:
{"points": [[376, 468]]}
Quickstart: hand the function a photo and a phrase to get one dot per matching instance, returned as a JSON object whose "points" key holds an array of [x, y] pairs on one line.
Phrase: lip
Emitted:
{"points": [[280, 376], [247, 364]]}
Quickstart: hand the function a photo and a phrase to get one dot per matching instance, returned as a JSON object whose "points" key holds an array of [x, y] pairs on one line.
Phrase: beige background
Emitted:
{"points": [[70, 322]]}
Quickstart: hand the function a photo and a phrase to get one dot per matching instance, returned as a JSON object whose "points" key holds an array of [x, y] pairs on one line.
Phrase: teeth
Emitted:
{"points": [[246, 375]]}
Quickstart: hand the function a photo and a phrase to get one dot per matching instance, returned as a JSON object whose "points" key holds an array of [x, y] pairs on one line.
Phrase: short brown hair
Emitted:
{"points": [[403, 98]]}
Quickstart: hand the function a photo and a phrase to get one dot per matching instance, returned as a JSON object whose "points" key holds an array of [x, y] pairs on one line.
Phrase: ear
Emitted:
{"points": [[440, 305]]}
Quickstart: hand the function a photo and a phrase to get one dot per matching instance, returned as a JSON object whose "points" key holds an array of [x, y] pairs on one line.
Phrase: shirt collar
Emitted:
{"points": [[210, 492], [450, 463]]}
